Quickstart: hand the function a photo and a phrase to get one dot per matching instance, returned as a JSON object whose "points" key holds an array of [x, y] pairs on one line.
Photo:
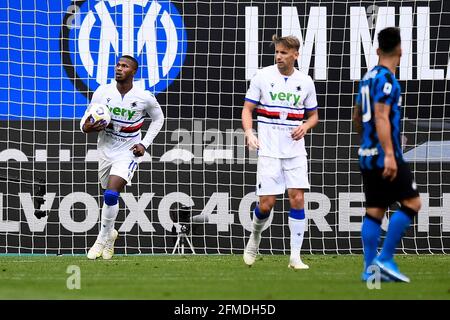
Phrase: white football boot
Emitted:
{"points": [[297, 264], [108, 250], [251, 249], [96, 250]]}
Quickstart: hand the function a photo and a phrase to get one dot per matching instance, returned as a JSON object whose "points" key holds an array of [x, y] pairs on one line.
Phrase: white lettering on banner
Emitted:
{"points": [[423, 47], [218, 202], [346, 211], [13, 154], [65, 208], [35, 224], [360, 35], [92, 155], [5, 225], [209, 146], [245, 209], [316, 33], [251, 41], [222, 218], [233, 151], [359, 32], [426, 212], [165, 205], [41, 155], [406, 34], [318, 214], [137, 212]]}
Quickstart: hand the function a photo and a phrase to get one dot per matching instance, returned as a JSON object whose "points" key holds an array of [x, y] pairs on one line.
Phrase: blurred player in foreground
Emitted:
{"points": [[386, 176]]}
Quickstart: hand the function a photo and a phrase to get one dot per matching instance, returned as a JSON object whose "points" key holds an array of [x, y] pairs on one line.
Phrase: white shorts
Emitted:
{"points": [[276, 175], [123, 168]]}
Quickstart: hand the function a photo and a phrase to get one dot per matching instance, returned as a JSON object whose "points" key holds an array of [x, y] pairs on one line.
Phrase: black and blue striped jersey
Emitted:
{"points": [[378, 85]]}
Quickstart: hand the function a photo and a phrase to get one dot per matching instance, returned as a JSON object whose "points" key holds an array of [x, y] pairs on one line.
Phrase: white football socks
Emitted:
{"points": [[297, 228], [258, 224], [109, 214]]}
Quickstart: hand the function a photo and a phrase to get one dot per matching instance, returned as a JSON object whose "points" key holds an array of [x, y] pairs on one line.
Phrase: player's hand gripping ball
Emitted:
{"points": [[100, 112]]}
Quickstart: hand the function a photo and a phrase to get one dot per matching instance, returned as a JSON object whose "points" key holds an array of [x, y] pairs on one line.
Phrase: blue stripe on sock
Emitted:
{"points": [[260, 215], [298, 214]]}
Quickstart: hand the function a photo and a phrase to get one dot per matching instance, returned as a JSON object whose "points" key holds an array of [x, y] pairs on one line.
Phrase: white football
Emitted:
{"points": [[99, 112]]}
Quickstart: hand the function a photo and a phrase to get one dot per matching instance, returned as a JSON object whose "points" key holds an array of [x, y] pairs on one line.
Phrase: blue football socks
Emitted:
{"points": [[397, 226], [370, 234]]}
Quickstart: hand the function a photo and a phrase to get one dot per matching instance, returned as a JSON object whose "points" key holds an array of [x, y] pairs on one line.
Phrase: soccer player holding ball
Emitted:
{"points": [[120, 145], [282, 96], [386, 176]]}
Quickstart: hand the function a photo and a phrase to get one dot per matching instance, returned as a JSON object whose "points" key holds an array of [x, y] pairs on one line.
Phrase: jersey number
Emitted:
{"points": [[131, 167], [365, 102]]}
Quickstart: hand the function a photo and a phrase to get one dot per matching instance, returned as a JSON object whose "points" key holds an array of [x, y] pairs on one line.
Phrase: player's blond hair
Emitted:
{"points": [[290, 42]]}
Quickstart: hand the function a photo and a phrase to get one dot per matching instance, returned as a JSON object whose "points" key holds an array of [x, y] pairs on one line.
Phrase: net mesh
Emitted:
{"points": [[197, 57]]}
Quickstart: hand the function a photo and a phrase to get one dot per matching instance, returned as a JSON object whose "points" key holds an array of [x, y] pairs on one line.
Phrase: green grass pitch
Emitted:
{"points": [[214, 277]]}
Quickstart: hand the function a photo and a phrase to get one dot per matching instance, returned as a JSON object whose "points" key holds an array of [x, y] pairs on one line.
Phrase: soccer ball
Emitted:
{"points": [[99, 112]]}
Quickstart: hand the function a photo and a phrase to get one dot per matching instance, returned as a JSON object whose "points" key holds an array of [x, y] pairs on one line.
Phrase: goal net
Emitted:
{"points": [[198, 179]]}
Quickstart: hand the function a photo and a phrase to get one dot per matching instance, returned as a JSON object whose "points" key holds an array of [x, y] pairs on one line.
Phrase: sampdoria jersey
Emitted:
{"points": [[282, 102], [127, 116], [378, 86]]}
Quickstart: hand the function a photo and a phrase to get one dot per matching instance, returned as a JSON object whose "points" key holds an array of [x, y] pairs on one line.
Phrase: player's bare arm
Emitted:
{"points": [[247, 124], [138, 150], [383, 126], [96, 126], [357, 119], [300, 131]]}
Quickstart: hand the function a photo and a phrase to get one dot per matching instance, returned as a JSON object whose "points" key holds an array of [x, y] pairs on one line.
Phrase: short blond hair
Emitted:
{"points": [[290, 42]]}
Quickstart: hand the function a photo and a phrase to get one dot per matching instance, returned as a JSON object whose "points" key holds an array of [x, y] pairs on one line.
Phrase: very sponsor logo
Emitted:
{"points": [[285, 96], [117, 111]]}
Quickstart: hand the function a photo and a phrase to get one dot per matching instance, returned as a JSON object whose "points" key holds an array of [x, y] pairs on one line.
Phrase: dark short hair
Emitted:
{"points": [[290, 42], [132, 59], [389, 39]]}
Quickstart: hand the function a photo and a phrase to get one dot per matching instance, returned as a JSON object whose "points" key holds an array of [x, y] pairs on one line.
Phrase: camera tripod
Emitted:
{"points": [[182, 238]]}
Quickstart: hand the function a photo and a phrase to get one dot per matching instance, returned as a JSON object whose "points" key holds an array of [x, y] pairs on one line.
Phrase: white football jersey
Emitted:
{"points": [[127, 116], [282, 102]]}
